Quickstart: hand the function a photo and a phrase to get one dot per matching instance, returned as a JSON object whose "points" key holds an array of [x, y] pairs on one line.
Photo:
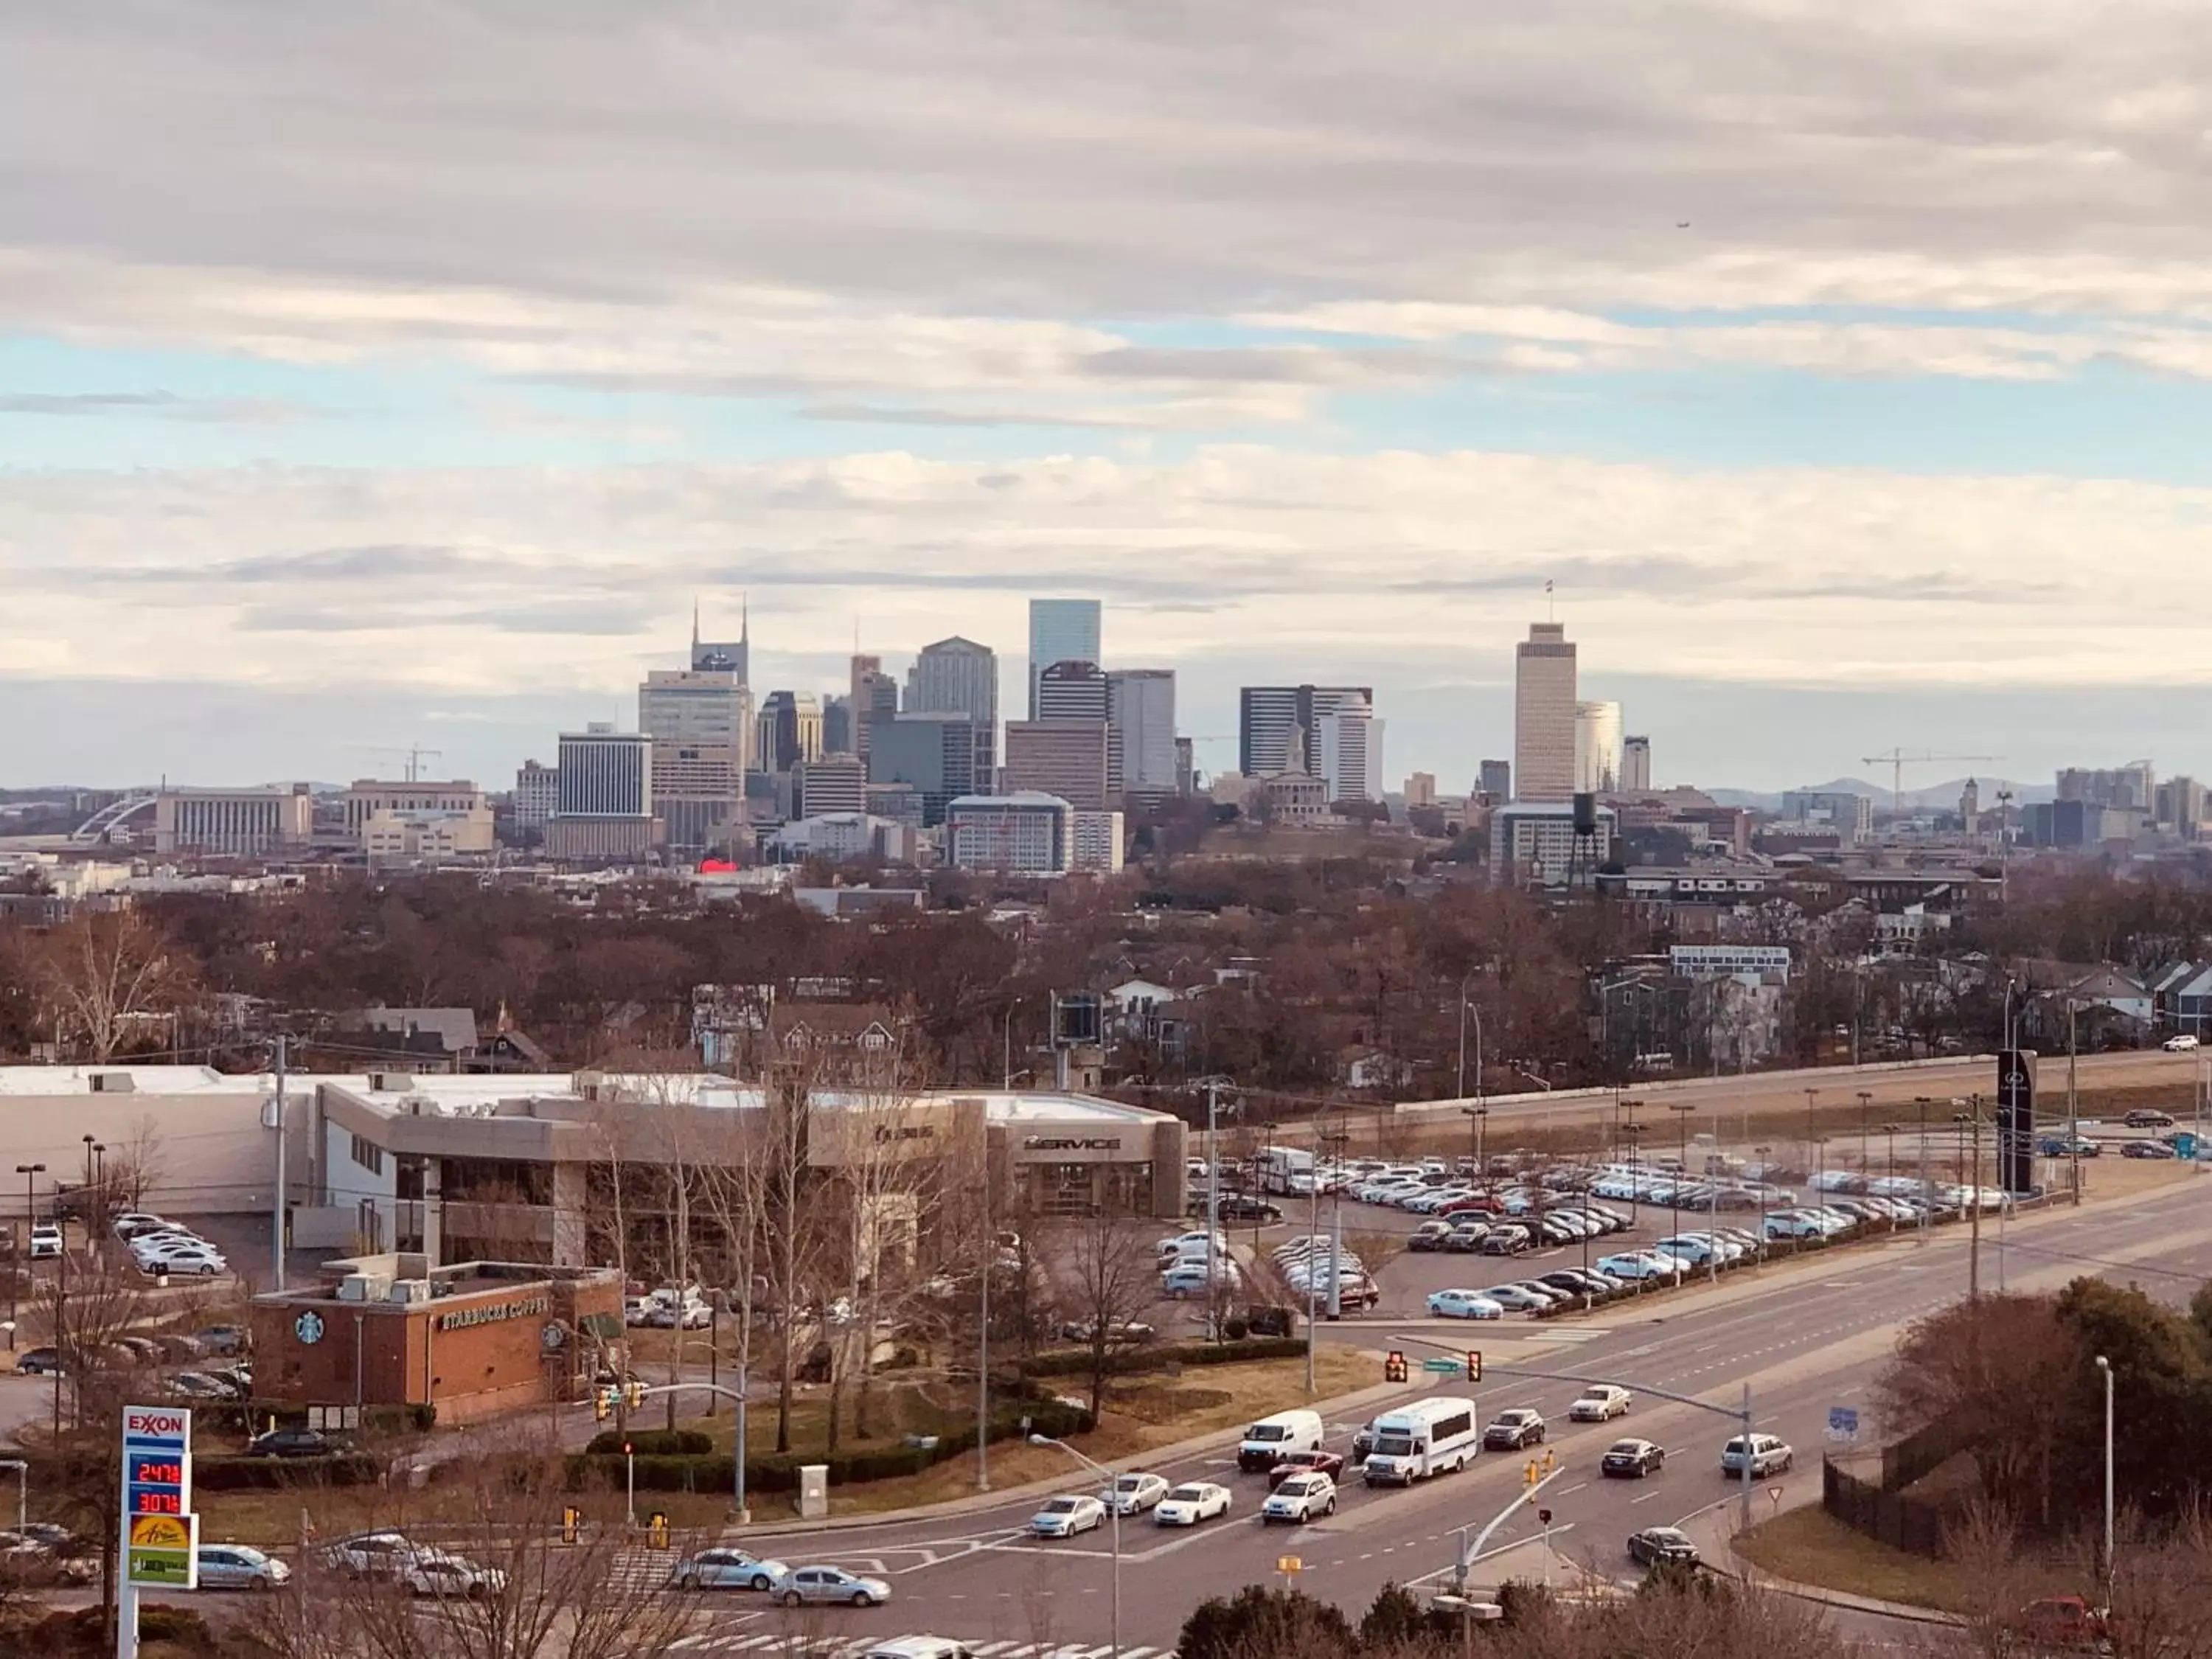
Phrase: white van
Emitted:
{"points": [[1430, 1437], [1271, 1439]]}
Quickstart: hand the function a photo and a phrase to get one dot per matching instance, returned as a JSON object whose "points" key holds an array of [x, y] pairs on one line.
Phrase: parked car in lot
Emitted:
{"points": [[1642, 1265], [37, 1362], [2179, 1045], [1466, 1237], [1134, 1493], [1600, 1403], [46, 1241], [727, 1568], [2146, 1149], [1464, 1304], [831, 1587], [1067, 1515], [435, 1572], [1514, 1430], [1509, 1240], [1514, 1299], [1241, 1207], [1117, 1330], [1191, 1503], [1770, 1455], [1429, 1236], [1655, 1545], [240, 1566], [1631, 1459], [291, 1442], [1299, 1499]]}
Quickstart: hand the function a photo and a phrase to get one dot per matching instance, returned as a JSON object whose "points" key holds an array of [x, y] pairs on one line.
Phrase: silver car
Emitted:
{"points": [[240, 1566], [727, 1568], [830, 1585]]}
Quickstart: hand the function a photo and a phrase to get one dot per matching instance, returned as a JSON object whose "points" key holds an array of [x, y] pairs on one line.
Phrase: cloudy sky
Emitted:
{"points": [[399, 372]]}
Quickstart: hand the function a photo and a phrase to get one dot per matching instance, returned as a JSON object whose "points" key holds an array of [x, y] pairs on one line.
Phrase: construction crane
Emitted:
{"points": [[1898, 759], [413, 754]]}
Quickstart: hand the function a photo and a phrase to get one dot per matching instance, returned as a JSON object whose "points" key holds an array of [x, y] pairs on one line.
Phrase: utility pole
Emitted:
{"points": [[2073, 1124], [1212, 1205], [982, 1337], [277, 1208]]}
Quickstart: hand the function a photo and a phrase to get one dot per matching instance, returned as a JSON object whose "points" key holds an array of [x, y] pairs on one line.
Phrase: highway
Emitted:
{"points": [[1807, 1336], [1893, 1088]]}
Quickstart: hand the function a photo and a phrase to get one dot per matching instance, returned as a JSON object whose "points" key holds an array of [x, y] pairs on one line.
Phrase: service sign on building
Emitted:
{"points": [[160, 1534]]}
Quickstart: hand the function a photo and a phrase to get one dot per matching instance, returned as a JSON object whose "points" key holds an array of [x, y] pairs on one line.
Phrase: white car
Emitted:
{"points": [[1642, 1265], [1300, 1498], [2179, 1045], [435, 1572], [1600, 1403], [202, 1261], [1770, 1455], [1134, 1493], [1191, 1503], [1065, 1516], [46, 1241], [1465, 1304]]}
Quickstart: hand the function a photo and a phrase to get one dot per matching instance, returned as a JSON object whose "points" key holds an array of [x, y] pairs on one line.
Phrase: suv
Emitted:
{"points": [[1300, 1498], [1512, 1431], [1770, 1455]]}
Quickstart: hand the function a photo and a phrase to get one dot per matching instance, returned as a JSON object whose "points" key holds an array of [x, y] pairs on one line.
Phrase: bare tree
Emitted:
{"points": [[105, 974], [137, 1164], [1109, 1276]]}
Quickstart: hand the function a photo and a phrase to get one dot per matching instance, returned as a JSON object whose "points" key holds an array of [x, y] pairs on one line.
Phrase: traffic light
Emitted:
{"points": [[633, 1394], [572, 1520], [1543, 1517], [1474, 1364], [1394, 1367], [603, 1403]]}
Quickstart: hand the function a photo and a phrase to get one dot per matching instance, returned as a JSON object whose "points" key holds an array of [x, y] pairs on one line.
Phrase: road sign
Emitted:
{"points": [[1474, 1364], [1843, 1423], [157, 1488], [1435, 1363], [1394, 1367]]}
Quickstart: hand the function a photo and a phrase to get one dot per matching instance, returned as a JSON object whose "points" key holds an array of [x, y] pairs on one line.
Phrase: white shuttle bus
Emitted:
{"points": [[1430, 1437]]}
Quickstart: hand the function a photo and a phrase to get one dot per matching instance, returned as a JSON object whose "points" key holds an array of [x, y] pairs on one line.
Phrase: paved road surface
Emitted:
{"points": [[1806, 1341]]}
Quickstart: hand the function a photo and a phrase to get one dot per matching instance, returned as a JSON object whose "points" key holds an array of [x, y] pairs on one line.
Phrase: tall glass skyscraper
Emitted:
{"points": [[1061, 630]]}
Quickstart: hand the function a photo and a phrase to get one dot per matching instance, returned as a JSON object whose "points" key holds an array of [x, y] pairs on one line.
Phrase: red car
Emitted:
{"points": [[2065, 1621], [1306, 1463], [1478, 1204]]}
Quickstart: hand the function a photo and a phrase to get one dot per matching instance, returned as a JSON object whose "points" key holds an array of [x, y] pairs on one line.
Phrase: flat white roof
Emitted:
{"points": [[19, 1080]]}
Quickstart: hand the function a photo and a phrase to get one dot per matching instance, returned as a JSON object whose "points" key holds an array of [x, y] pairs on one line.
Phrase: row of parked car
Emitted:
{"points": [[161, 1247], [1472, 1235]]}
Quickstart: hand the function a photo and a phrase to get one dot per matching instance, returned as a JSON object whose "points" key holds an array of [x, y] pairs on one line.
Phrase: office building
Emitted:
{"points": [[2132, 785], [1849, 814], [1534, 841], [1597, 747], [957, 676], [1636, 766], [837, 725], [1022, 833], [1348, 752], [873, 693], [1072, 759], [701, 724], [1544, 711], [790, 728], [366, 797], [1421, 789], [1140, 707], [234, 822], [835, 783], [1493, 782], [406, 836], [1278, 727], [1185, 767], [1072, 690], [1095, 842], [725, 656], [2180, 807], [537, 793], [1061, 630], [933, 752], [604, 805]]}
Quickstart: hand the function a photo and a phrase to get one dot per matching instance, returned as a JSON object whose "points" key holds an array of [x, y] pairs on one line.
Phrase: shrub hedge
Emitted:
{"points": [[224, 1472], [1150, 1357], [779, 1472], [654, 1443]]}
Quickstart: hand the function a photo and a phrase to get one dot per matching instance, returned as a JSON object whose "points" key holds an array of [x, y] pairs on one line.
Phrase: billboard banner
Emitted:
{"points": [[2016, 1121]]}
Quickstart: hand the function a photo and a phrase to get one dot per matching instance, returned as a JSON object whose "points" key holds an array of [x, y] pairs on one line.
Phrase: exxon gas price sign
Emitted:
{"points": [[160, 1534]]}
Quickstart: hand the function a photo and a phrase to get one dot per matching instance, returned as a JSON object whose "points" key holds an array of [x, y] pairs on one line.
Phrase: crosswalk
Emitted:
{"points": [[780, 1646], [641, 1569]]}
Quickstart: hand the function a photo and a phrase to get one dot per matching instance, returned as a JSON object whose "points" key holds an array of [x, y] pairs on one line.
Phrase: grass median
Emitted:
{"points": [[1809, 1546]]}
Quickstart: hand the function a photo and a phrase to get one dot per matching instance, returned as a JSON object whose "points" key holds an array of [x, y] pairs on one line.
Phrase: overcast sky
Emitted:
{"points": [[374, 374]]}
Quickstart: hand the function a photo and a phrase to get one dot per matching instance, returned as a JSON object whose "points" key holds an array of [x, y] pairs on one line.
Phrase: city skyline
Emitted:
{"points": [[379, 420]]}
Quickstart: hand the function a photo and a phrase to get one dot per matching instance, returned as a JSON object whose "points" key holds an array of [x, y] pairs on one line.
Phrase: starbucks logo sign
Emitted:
{"points": [[308, 1327]]}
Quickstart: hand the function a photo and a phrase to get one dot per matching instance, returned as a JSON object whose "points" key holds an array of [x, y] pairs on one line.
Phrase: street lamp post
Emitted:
{"points": [[1811, 1096], [20, 1265], [1633, 1132], [1465, 1009], [1866, 1105], [1478, 1120], [1926, 1192], [1114, 1509], [2105, 1366]]}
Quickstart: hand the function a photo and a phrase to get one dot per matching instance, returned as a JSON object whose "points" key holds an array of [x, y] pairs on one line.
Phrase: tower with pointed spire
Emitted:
{"points": [[725, 656]]}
